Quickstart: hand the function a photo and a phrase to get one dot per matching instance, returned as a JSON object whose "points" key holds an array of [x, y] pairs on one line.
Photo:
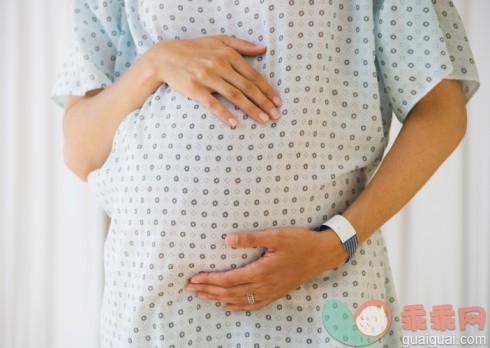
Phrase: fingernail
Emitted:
{"points": [[263, 117], [274, 114], [277, 101], [230, 239], [233, 121]]}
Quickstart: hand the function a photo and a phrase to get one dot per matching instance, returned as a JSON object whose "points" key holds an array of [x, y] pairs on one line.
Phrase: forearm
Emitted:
{"points": [[89, 124], [197, 68], [430, 134]]}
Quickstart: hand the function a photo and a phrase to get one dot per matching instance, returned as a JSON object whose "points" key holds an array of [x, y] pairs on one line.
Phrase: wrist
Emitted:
{"points": [[153, 65], [332, 251], [344, 230], [364, 223]]}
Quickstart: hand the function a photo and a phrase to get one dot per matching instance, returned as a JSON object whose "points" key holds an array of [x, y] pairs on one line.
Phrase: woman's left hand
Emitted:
{"points": [[292, 257]]}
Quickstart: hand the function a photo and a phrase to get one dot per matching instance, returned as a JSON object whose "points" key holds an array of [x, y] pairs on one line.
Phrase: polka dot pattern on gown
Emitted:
{"points": [[178, 179]]}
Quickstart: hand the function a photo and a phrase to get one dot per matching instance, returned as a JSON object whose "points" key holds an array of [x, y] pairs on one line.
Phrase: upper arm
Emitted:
{"points": [[101, 50], [74, 99], [446, 105], [417, 47]]}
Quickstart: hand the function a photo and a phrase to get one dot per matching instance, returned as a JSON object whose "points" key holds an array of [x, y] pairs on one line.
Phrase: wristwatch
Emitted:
{"points": [[344, 230]]}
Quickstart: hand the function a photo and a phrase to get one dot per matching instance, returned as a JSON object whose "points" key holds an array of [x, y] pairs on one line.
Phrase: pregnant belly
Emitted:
{"points": [[178, 180], [176, 154]]}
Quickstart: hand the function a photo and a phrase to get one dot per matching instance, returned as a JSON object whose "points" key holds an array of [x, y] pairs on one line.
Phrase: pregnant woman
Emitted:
{"points": [[219, 135]]}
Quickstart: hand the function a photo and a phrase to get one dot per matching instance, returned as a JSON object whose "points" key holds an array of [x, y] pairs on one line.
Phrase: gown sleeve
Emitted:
{"points": [[418, 44], [100, 49]]}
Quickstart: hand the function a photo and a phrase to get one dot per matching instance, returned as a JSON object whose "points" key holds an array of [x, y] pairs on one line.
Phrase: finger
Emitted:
{"points": [[224, 292], [222, 78], [236, 300], [215, 106], [242, 46], [239, 300], [239, 99], [251, 239], [237, 303], [254, 94], [251, 74], [228, 279], [243, 67], [248, 307]]}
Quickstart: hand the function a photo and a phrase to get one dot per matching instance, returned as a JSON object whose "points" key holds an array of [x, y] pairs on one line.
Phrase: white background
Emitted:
{"points": [[52, 230]]}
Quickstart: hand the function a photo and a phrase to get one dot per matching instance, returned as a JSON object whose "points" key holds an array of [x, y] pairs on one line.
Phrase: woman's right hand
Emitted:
{"points": [[200, 67]]}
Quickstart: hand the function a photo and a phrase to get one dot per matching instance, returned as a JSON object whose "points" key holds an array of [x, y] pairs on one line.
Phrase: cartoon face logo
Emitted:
{"points": [[372, 318], [370, 322]]}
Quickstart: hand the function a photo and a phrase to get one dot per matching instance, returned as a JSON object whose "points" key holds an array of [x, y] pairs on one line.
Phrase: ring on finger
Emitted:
{"points": [[250, 298]]}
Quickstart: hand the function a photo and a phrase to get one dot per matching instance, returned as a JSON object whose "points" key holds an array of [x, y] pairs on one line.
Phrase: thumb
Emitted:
{"points": [[248, 239], [244, 47]]}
